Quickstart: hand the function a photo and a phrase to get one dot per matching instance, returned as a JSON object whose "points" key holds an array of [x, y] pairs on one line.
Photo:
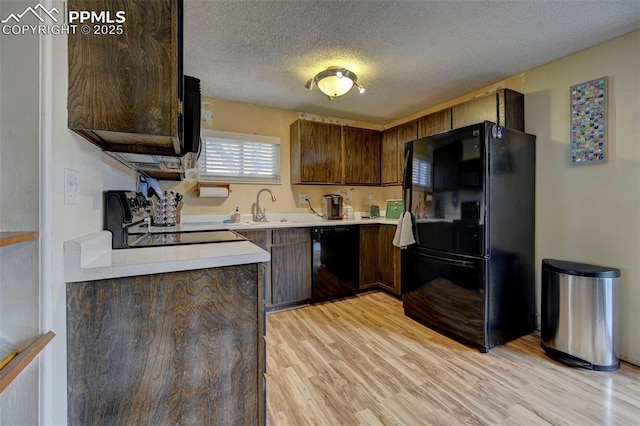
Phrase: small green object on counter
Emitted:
{"points": [[394, 209]]}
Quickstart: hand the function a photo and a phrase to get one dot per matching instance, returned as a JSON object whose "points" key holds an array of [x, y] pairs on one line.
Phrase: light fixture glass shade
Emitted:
{"points": [[335, 86], [334, 82]]}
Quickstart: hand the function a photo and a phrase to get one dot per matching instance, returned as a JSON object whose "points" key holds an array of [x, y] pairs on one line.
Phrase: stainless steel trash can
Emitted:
{"points": [[578, 314]]}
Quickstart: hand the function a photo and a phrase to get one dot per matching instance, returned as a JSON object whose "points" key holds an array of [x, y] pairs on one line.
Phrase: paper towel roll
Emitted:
{"points": [[219, 192]]}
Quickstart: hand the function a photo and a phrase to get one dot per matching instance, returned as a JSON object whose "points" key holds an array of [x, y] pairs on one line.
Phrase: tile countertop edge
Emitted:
{"points": [[91, 258]]}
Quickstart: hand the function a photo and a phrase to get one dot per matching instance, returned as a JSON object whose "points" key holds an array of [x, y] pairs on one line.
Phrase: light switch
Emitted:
{"points": [[71, 186]]}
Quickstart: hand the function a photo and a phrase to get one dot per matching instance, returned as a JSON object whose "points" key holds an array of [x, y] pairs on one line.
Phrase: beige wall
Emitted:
{"points": [[591, 213], [240, 117]]}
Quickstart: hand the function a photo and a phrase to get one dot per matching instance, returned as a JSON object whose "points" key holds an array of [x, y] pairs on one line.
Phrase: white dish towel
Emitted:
{"points": [[404, 231]]}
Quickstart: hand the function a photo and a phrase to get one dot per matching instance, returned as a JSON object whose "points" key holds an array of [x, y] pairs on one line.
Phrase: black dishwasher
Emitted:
{"points": [[336, 262]]}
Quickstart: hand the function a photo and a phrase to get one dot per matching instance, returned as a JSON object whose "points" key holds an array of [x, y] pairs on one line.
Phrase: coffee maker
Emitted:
{"points": [[332, 206]]}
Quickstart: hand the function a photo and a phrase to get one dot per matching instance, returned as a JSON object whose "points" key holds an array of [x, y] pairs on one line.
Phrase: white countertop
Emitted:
{"points": [[91, 258], [285, 220]]}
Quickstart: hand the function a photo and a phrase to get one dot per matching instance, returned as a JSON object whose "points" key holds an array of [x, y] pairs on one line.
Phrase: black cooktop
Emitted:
{"points": [[183, 238]]}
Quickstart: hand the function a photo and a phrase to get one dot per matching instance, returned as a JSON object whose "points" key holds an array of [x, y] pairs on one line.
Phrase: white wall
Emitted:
{"points": [[19, 211], [591, 213], [63, 148]]}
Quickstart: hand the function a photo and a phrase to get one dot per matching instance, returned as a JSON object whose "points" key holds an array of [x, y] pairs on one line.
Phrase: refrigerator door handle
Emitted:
{"points": [[448, 261], [407, 199]]}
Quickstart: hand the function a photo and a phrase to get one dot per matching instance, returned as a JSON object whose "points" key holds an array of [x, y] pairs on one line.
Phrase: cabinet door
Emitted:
{"points": [[504, 107], [316, 152], [362, 156], [260, 238], [369, 270], [290, 267], [484, 108], [406, 132], [434, 123], [173, 320], [123, 88], [390, 160], [511, 111], [389, 260]]}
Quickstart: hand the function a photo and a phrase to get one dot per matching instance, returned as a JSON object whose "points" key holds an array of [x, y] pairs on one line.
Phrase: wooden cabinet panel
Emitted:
{"points": [[290, 267], [290, 274], [258, 237], [504, 107], [287, 279], [406, 132], [290, 236], [389, 258], [362, 156], [369, 256], [475, 111], [316, 152], [511, 114], [154, 349], [123, 92], [261, 239], [390, 160], [434, 123]]}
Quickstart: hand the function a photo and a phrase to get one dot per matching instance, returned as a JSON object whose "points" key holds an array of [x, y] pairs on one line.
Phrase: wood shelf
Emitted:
{"points": [[9, 238], [23, 359]]}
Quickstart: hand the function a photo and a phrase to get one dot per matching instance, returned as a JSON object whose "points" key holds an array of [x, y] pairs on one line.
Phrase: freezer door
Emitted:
{"points": [[446, 293]]}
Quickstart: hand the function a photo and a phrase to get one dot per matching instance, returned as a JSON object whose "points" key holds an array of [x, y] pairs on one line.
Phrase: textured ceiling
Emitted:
{"points": [[409, 55]]}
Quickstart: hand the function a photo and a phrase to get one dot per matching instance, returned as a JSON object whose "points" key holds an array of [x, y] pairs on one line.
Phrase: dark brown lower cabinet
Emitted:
{"points": [[290, 267], [174, 348], [288, 275], [262, 238], [389, 257], [369, 269]]}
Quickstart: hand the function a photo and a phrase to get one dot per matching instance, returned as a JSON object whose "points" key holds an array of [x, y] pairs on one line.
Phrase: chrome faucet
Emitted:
{"points": [[260, 215]]}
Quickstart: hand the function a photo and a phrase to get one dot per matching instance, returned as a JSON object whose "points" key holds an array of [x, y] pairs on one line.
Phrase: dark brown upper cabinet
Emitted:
{"points": [[125, 89], [434, 123], [361, 156], [390, 160], [504, 107], [406, 132], [316, 152]]}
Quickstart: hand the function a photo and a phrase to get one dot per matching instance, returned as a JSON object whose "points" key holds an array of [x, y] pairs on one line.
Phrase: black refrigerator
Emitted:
{"points": [[471, 273]]}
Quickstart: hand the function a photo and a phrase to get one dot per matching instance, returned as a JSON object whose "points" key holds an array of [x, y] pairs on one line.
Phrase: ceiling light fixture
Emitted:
{"points": [[334, 82]]}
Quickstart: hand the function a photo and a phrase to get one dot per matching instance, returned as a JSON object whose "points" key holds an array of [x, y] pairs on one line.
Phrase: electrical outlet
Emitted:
{"points": [[303, 199], [71, 186], [371, 197]]}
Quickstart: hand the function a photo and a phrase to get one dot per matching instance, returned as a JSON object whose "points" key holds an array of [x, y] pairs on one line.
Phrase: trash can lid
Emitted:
{"points": [[580, 269]]}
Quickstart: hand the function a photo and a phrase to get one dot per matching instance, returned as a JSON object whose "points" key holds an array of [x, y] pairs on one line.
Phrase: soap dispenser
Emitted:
{"points": [[236, 216]]}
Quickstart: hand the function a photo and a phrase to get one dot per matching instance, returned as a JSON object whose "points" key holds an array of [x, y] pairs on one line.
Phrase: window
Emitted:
{"points": [[237, 157], [421, 172]]}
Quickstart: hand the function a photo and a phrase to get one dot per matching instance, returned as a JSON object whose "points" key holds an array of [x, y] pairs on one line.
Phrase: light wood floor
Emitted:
{"points": [[360, 361]]}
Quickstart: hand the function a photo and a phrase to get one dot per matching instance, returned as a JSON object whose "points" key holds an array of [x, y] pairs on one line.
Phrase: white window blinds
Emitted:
{"points": [[237, 157], [421, 172]]}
